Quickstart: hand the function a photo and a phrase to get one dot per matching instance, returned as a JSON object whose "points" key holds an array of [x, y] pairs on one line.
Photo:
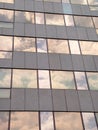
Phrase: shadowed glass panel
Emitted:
{"points": [[4, 93], [67, 8], [6, 25]]}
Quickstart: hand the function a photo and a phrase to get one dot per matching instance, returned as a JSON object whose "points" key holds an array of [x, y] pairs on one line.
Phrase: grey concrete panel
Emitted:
{"points": [[31, 99], [96, 61], [45, 99], [59, 102], [91, 32], [43, 62], [57, 7], [61, 32], [51, 31], [94, 95], [89, 63], [7, 31], [19, 29], [77, 62], [82, 34], [54, 61], [30, 60], [48, 7], [30, 30], [19, 5], [85, 10], [18, 60], [39, 6], [66, 62], [17, 99], [72, 100], [71, 32], [76, 9], [1, 5], [6, 63], [29, 5], [4, 104], [85, 100], [40, 30]]}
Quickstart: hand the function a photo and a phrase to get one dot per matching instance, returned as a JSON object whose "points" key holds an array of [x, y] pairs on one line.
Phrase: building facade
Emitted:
{"points": [[48, 64]]}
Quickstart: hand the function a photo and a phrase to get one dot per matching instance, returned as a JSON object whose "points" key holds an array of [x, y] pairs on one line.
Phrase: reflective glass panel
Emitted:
{"points": [[97, 31], [5, 43], [24, 121], [6, 25], [58, 46], [43, 78], [92, 80], [81, 80], [83, 21], [46, 121], [89, 48], [5, 78], [65, 1], [95, 19], [7, 1], [67, 8], [24, 44], [69, 20], [62, 80], [89, 121], [79, 2], [53, 19], [97, 117], [39, 18], [53, 0], [68, 121], [24, 78], [4, 116], [93, 2], [6, 15], [4, 93], [74, 47], [5, 55], [25, 17], [41, 45]]}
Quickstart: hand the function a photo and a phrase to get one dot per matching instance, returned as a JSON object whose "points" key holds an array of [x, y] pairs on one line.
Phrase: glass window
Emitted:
{"points": [[68, 121], [97, 118], [92, 80], [46, 121], [25, 121], [25, 17], [41, 45], [6, 15], [6, 25], [53, 19], [39, 18], [5, 78], [65, 1], [53, 0], [83, 21], [58, 46], [43, 78], [4, 93], [7, 1], [24, 78], [5, 43], [62, 80], [93, 2], [97, 31], [81, 81], [95, 19], [79, 2], [74, 47], [89, 48], [69, 20], [67, 8], [24, 44], [4, 116], [5, 55], [89, 121]]}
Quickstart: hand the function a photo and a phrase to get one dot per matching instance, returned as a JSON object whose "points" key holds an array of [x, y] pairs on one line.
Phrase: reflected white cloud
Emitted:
{"points": [[79, 1], [41, 45], [7, 1], [39, 18], [69, 20], [74, 47]]}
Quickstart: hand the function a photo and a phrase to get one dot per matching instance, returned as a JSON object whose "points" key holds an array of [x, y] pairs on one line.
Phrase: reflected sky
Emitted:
{"points": [[62, 80], [89, 121], [74, 47], [79, 1], [81, 81], [4, 93], [58, 46], [69, 20], [43, 78], [39, 18], [41, 45], [46, 121], [4, 120], [68, 121], [92, 80], [67, 8], [24, 121], [24, 78], [24, 44]]}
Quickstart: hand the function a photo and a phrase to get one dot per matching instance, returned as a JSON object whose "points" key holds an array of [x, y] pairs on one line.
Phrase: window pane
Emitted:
{"points": [[93, 80], [39, 18], [41, 45], [62, 80], [24, 121], [24, 44], [97, 118], [74, 47], [46, 121], [89, 121], [58, 46], [69, 20], [65, 1], [81, 80], [68, 121], [5, 43], [43, 78], [4, 116], [24, 78], [5, 78], [67, 8], [6, 25], [93, 2], [5, 55], [4, 93], [95, 19], [79, 1], [7, 1], [53, 19], [26, 17]]}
